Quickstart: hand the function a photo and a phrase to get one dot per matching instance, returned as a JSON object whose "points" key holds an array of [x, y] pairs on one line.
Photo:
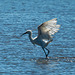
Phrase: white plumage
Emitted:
{"points": [[48, 28], [45, 32]]}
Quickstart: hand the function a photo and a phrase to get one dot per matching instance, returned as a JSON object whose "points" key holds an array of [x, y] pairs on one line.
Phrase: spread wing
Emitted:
{"points": [[46, 29]]}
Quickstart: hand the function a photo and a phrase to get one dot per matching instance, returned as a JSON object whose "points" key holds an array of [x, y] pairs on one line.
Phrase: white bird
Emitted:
{"points": [[45, 32]]}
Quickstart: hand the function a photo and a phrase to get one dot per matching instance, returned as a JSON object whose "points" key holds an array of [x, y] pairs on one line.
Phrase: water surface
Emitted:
{"points": [[18, 56]]}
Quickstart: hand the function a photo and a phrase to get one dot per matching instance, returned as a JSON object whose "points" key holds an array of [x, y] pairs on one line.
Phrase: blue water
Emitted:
{"points": [[18, 56]]}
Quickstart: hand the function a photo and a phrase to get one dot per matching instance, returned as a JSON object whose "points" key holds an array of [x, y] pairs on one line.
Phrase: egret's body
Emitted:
{"points": [[45, 32]]}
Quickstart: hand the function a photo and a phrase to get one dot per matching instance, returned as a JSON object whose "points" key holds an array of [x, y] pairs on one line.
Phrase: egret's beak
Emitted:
{"points": [[23, 33]]}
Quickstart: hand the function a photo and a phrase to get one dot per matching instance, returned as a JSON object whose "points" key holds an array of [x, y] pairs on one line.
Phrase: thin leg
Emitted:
{"points": [[44, 52], [48, 52]]}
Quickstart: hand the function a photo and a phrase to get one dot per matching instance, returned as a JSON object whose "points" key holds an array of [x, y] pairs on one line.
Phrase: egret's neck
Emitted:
{"points": [[30, 37]]}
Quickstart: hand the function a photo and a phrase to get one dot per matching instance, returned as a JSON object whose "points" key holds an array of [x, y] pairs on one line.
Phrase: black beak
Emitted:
{"points": [[22, 34]]}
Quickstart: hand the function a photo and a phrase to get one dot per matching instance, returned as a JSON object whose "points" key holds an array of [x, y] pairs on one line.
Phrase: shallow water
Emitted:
{"points": [[18, 56]]}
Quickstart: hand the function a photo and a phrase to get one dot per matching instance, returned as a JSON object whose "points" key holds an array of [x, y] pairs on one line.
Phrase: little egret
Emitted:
{"points": [[45, 32]]}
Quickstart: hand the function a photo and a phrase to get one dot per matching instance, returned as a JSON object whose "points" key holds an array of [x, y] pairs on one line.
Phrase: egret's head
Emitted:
{"points": [[27, 32]]}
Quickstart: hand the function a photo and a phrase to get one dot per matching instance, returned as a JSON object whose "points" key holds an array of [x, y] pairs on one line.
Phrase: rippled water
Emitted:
{"points": [[18, 56]]}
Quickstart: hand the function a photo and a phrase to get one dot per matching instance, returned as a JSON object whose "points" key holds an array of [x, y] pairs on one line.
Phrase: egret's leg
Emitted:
{"points": [[48, 52], [44, 52]]}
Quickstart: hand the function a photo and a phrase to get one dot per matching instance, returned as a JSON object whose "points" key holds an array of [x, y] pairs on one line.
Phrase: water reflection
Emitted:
{"points": [[53, 59], [52, 64], [42, 61]]}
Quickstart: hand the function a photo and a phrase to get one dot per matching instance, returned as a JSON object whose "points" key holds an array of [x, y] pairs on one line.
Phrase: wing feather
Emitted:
{"points": [[46, 29]]}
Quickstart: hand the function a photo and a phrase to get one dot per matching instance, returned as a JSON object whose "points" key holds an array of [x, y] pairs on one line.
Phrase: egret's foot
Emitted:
{"points": [[47, 57]]}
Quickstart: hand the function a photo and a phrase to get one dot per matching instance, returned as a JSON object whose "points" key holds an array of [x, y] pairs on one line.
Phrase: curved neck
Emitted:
{"points": [[30, 37]]}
